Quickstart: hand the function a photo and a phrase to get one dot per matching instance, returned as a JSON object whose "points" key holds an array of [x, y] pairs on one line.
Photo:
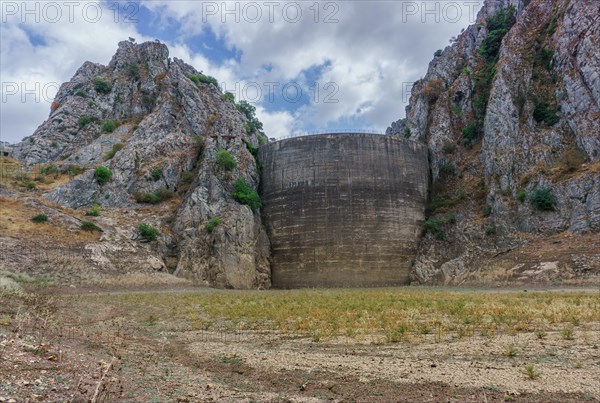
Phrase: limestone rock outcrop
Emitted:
{"points": [[512, 108], [157, 125]]}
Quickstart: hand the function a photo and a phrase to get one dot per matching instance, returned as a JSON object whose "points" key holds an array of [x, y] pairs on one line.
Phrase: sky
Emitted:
{"points": [[307, 66]]}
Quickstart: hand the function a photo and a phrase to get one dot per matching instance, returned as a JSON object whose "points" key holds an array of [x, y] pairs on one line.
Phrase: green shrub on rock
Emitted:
{"points": [[102, 175], [226, 160], [246, 195], [39, 218], [147, 232], [109, 126], [90, 226], [543, 199], [212, 224], [101, 86]]}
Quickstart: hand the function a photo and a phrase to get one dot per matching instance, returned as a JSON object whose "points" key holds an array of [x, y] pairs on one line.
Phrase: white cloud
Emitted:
{"points": [[66, 41], [374, 49]]}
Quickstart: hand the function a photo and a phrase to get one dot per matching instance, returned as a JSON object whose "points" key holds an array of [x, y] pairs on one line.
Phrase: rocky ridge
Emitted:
{"points": [[503, 124], [157, 126]]}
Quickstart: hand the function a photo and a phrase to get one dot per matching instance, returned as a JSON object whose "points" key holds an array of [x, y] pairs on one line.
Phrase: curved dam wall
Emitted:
{"points": [[343, 210]]}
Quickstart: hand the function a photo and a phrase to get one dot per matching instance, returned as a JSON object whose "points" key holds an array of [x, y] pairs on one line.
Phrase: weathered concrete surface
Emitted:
{"points": [[343, 209]]}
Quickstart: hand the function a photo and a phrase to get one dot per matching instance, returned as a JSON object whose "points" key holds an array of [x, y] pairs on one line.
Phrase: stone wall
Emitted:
{"points": [[343, 209]]}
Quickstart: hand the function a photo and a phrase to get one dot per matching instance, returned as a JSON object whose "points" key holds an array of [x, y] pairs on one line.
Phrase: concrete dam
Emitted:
{"points": [[344, 209]]}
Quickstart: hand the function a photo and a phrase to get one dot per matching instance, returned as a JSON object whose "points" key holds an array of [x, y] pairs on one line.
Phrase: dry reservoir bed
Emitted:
{"points": [[403, 344]]}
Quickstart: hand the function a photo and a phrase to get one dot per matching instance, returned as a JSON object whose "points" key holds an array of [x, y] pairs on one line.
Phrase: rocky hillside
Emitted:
{"points": [[157, 142], [511, 115]]}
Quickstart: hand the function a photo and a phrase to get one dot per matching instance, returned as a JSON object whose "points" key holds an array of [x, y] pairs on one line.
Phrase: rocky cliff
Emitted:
{"points": [[511, 115], [152, 136]]}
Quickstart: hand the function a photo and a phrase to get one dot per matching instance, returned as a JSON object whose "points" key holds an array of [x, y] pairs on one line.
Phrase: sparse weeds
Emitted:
{"points": [[511, 351], [531, 372], [568, 332]]}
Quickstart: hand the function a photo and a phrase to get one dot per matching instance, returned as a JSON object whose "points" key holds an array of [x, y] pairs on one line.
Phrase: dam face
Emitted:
{"points": [[343, 210]]}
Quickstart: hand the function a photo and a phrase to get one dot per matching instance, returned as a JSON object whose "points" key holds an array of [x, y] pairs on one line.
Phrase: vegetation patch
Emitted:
{"points": [[115, 149], [146, 197], [201, 78], [102, 175], [212, 224], [226, 160], [101, 85], [84, 120], [543, 199], [156, 174], [148, 232], [253, 125], [109, 126], [94, 211], [39, 218], [228, 96], [434, 226], [244, 194], [90, 226]]}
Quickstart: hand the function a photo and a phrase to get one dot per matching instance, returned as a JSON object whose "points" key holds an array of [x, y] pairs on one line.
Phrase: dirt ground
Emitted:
{"points": [[105, 357]]}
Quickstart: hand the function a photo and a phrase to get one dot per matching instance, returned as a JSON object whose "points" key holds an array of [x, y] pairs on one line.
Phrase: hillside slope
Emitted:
{"points": [[157, 126], [511, 115]]}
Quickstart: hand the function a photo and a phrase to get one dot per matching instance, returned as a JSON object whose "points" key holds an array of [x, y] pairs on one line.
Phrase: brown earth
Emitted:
{"points": [[152, 361]]}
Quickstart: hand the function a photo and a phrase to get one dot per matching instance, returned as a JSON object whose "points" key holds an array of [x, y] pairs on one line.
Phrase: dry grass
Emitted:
{"points": [[15, 221], [395, 314]]}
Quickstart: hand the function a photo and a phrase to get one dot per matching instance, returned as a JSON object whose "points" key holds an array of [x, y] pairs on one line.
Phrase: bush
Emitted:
{"points": [[447, 169], [187, 177], [51, 169], [253, 150], [490, 230], [521, 196], [147, 232], [201, 78], [81, 93], [246, 195], [94, 211], [498, 26], [487, 210], [406, 133], [469, 132], [156, 174], [109, 126], [146, 197], [228, 96], [30, 185], [448, 148], [101, 86], [435, 227], [544, 113], [115, 149], [438, 53], [212, 224], [543, 200], [262, 139], [102, 175], [84, 120], [226, 160], [253, 125], [73, 170], [164, 193], [90, 226], [451, 218], [39, 218]]}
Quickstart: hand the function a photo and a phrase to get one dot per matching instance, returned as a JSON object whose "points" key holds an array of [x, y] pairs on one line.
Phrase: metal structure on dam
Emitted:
{"points": [[344, 209]]}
